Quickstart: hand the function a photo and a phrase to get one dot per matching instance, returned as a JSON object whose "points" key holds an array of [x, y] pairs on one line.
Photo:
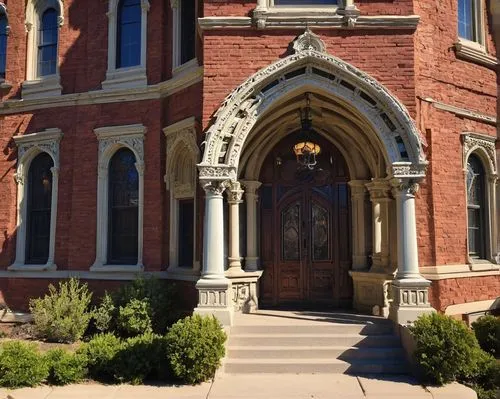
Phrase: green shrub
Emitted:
{"points": [[134, 318], [21, 365], [101, 352], [158, 294], [487, 330], [104, 314], [445, 348], [65, 367], [139, 358], [62, 315], [195, 346]]}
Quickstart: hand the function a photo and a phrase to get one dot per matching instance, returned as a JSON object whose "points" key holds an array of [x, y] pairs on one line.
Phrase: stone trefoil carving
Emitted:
{"points": [[309, 41], [478, 142]]}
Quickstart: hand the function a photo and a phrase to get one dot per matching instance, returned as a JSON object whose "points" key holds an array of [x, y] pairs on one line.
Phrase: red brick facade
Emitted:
{"points": [[413, 64]]}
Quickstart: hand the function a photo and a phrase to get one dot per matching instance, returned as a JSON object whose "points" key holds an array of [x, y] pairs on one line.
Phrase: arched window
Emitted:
{"points": [[47, 43], [3, 44], [129, 34], [476, 208], [39, 209], [123, 208]]}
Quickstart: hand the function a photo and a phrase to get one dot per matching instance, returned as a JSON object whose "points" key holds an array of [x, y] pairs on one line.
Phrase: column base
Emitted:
{"points": [[214, 298], [251, 264], [410, 300]]}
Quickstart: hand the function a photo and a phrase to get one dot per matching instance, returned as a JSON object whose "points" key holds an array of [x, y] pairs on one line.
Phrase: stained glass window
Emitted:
{"points": [[320, 231], [290, 232]]}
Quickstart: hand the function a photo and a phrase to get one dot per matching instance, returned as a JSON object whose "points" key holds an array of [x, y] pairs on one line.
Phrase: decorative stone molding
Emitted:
{"points": [[309, 41], [235, 193], [29, 146], [119, 95], [245, 291], [244, 106], [372, 292], [111, 139], [276, 19], [180, 178], [482, 143], [462, 112], [407, 169], [473, 52], [130, 77]]}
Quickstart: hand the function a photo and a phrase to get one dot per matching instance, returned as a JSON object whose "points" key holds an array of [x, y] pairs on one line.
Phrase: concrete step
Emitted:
{"points": [[293, 340], [314, 352], [317, 328], [249, 366]]}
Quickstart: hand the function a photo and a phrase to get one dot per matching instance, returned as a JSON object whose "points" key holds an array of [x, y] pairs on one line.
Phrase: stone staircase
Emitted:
{"points": [[313, 342]]}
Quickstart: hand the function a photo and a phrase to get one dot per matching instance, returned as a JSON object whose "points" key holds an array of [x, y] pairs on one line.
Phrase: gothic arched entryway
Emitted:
{"points": [[305, 240]]}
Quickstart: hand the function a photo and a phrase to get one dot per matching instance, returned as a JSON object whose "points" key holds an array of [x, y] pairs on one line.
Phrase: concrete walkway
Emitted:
{"points": [[257, 386]]}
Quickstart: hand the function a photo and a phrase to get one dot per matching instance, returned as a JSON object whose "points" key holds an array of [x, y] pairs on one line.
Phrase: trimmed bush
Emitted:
{"points": [[446, 349], [134, 318], [487, 330], [486, 380], [160, 297], [65, 367], [195, 346], [101, 352], [21, 365], [104, 314], [139, 358], [62, 315]]}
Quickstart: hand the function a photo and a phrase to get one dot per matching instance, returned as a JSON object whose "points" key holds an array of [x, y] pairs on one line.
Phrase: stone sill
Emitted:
{"points": [[126, 78], [18, 267], [185, 68], [117, 268], [476, 53], [49, 86]]}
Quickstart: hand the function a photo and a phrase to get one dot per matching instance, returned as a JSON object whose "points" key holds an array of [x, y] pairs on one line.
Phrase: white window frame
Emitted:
{"points": [[111, 139], [35, 86], [182, 150], [28, 147], [475, 50], [3, 10], [130, 77], [483, 146], [177, 67]]}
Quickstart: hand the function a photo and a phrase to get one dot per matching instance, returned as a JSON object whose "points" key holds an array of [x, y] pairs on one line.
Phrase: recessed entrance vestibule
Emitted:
{"points": [[339, 233]]}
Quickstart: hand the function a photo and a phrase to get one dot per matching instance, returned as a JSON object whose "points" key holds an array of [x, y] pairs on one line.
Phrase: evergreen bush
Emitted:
{"points": [[65, 367], [195, 346], [101, 353], [487, 330], [62, 315], [21, 365], [104, 314], [134, 318], [446, 350]]}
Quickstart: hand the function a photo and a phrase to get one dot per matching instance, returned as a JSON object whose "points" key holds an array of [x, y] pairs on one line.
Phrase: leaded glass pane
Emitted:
{"points": [[475, 207], [290, 232], [320, 232]]}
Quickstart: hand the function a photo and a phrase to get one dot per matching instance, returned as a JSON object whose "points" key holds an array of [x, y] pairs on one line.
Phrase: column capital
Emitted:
{"points": [[404, 187], [251, 186], [234, 193], [379, 189], [358, 187], [215, 188]]}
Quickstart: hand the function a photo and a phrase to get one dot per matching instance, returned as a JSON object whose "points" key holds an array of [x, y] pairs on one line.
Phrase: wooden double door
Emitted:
{"points": [[305, 235]]}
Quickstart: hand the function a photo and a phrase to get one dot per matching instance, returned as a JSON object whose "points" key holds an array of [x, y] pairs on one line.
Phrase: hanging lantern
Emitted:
{"points": [[305, 149]]}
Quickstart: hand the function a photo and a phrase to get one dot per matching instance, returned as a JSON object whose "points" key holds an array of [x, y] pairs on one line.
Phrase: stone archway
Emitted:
{"points": [[392, 133]]}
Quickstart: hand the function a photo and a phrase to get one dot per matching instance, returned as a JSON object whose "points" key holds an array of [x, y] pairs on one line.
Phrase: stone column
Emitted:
{"points": [[251, 197], [379, 195], [53, 216], [213, 287], [410, 289], [358, 196], [235, 193]]}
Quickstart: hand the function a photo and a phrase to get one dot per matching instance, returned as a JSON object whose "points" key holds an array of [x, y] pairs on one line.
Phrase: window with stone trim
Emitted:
{"points": [[476, 208], [4, 32], [47, 43], [184, 33], [128, 46], [469, 20]]}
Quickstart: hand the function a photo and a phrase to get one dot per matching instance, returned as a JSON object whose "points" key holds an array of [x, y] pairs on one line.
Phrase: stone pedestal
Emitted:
{"points": [[245, 291], [410, 300], [371, 292], [234, 196], [214, 298], [251, 198]]}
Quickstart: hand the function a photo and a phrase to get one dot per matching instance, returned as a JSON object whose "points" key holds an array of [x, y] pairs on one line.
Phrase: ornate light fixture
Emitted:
{"points": [[306, 150]]}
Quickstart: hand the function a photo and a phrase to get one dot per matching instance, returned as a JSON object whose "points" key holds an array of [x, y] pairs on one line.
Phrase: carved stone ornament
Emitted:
{"points": [[475, 142], [214, 187], [404, 187], [240, 111], [234, 193], [309, 41]]}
